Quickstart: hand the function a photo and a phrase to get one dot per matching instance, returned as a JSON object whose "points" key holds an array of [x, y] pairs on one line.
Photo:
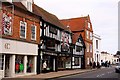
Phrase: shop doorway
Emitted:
{"points": [[7, 65]]}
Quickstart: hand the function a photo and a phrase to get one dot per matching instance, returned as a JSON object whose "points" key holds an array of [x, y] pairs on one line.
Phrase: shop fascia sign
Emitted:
{"points": [[7, 46]]}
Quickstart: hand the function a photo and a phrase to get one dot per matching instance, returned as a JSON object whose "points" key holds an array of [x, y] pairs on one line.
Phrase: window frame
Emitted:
{"points": [[25, 29], [87, 34], [88, 24], [34, 32]]}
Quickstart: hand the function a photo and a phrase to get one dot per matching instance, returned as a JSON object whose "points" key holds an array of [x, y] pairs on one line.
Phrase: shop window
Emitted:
{"points": [[76, 61], [33, 32], [19, 64], [1, 61], [23, 26], [30, 61]]}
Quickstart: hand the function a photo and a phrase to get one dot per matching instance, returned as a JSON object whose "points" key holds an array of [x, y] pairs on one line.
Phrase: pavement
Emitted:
{"points": [[53, 75]]}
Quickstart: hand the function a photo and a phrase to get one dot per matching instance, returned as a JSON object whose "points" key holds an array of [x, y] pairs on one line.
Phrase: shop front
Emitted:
{"points": [[17, 60]]}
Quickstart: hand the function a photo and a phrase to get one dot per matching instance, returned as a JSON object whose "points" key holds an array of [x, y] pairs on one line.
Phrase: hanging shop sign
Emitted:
{"points": [[7, 23], [65, 42]]}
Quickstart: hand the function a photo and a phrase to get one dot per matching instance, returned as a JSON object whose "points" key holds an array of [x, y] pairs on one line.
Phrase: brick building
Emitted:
{"points": [[83, 26], [20, 36]]}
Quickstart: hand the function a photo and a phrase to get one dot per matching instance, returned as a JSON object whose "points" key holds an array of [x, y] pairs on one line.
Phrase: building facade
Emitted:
{"points": [[78, 52], [55, 39], [96, 48], [20, 38], [83, 25]]}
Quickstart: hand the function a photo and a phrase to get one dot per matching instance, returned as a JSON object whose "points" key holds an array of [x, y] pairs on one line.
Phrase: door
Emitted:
{"points": [[7, 64]]}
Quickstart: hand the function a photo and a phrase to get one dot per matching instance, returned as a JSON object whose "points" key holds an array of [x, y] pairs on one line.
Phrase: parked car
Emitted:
{"points": [[117, 68]]}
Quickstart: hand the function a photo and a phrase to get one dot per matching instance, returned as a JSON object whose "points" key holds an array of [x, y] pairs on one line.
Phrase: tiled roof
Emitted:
{"points": [[48, 17], [75, 37], [76, 24], [20, 5]]}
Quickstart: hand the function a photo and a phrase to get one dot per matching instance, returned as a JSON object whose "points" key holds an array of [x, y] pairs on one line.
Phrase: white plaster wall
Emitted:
{"points": [[17, 47], [96, 51]]}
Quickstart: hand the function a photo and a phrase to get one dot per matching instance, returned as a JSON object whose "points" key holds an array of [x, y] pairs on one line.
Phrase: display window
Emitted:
{"points": [[19, 65], [30, 60]]}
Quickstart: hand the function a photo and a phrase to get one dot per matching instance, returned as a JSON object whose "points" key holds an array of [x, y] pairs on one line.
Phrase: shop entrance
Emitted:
{"points": [[50, 61], [7, 65]]}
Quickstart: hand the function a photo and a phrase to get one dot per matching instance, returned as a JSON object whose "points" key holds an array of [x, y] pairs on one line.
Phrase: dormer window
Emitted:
{"points": [[88, 25], [29, 6]]}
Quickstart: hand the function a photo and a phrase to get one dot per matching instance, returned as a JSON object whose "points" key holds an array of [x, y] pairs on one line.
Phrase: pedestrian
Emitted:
{"points": [[94, 64], [90, 64], [45, 66], [98, 65], [109, 63]]}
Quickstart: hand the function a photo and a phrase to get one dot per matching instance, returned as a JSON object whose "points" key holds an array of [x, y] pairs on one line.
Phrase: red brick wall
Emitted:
{"points": [[29, 19]]}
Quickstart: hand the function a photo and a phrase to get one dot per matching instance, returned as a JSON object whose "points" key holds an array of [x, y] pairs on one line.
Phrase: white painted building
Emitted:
{"points": [[96, 48], [109, 57], [13, 51]]}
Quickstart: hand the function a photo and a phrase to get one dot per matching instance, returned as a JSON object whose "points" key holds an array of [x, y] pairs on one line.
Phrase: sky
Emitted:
{"points": [[103, 15]]}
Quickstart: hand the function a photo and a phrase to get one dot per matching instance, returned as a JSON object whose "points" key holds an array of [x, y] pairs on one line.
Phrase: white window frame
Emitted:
{"points": [[87, 34], [91, 36], [31, 32], [87, 44], [88, 25], [25, 29], [29, 6], [90, 47], [88, 61]]}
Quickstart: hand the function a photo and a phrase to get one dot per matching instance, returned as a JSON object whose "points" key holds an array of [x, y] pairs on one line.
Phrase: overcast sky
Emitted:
{"points": [[103, 15]]}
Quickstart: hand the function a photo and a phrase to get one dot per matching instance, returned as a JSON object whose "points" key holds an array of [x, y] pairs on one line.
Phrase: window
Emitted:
{"points": [[87, 34], [76, 61], [30, 66], [29, 6], [1, 61], [87, 47], [23, 26], [33, 32], [90, 36], [96, 44], [88, 25], [19, 64], [78, 48], [88, 61], [90, 47]]}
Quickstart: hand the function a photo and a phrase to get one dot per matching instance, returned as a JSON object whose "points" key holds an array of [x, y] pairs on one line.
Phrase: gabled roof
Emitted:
{"points": [[48, 17], [76, 24], [76, 37], [20, 5]]}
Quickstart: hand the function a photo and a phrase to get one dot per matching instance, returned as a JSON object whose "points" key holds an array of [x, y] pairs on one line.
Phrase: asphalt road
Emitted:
{"points": [[100, 74]]}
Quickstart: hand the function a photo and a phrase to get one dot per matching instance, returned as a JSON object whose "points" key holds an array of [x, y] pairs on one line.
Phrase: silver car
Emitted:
{"points": [[117, 68]]}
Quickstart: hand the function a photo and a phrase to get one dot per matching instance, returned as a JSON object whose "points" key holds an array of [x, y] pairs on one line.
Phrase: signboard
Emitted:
{"points": [[50, 44], [65, 42], [7, 23], [53, 30]]}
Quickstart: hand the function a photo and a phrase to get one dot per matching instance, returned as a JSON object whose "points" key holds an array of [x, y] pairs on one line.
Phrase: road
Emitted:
{"points": [[97, 74]]}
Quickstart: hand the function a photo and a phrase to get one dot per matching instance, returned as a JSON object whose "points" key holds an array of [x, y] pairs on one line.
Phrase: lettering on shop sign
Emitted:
{"points": [[7, 45]]}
